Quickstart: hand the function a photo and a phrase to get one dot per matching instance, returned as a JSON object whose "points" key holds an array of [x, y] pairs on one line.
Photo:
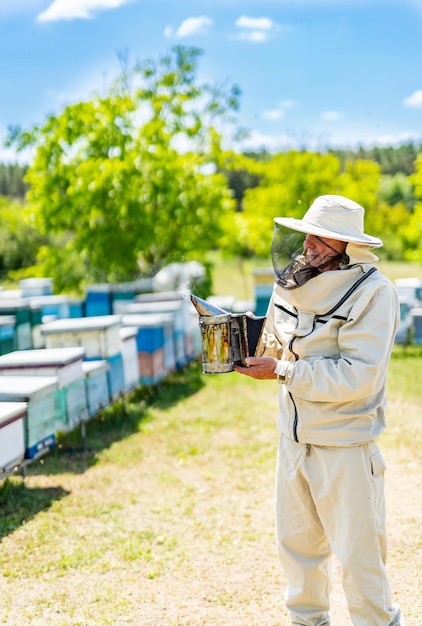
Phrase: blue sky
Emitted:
{"points": [[313, 73]]}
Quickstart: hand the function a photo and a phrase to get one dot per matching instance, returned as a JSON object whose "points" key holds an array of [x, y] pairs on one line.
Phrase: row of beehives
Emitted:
{"points": [[85, 364]]}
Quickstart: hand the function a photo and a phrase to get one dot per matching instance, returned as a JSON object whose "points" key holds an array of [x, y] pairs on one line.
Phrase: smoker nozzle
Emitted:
{"points": [[205, 309]]}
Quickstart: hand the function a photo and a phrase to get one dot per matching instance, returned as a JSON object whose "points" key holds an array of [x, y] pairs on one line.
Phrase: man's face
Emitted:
{"points": [[319, 250]]}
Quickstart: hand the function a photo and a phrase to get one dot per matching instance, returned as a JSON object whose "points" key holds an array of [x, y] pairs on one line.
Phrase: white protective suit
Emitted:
{"points": [[333, 338]]}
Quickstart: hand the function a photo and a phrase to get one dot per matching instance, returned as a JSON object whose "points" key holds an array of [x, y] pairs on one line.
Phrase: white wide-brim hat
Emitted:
{"points": [[333, 217]]}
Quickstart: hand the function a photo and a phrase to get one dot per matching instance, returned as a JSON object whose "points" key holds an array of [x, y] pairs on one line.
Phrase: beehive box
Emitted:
{"points": [[63, 363], [12, 434], [98, 300], [97, 386], [130, 357], [76, 307], [57, 306], [185, 305], [99, 335], [115, 375], [416, 315], [36, 323], [20, 309], [7, 333], [170, 307], [39, 393], [154, 343], [410, 288], [36, 287], [121, 294]]}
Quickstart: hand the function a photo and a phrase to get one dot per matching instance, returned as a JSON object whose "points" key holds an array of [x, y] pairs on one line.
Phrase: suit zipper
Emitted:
{"points": [[296, 417]]}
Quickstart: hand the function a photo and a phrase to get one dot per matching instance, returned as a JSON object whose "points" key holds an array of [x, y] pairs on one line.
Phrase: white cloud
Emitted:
{"points": [[273, 114], [415, 100], [191, 26], [72, 9], [331, 116], [259, 23], [255, 29], [279, 112], [254, 36]]}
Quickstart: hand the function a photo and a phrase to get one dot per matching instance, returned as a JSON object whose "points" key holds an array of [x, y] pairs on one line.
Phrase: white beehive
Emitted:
{"points": [[39, 392], [96, 382], [12, 434], [63, 363], [98, 335], [130, 357]]}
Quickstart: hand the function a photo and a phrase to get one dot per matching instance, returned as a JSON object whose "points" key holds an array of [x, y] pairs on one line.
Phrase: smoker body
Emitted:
{"points": [[227, 338]]}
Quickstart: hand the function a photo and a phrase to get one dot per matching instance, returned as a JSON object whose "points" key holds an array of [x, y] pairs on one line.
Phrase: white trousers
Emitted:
{"points": [[331, 500]]}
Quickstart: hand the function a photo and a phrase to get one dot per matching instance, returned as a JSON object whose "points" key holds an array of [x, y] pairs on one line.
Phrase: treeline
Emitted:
{"points": [[12, 184], [392, 160]]}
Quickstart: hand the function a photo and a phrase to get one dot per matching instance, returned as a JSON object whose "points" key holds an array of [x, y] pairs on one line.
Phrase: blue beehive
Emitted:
{"points": [[175, 308], [7, 333], [185, 304], [39, 393], [155, 344], [98, 300], [263, 289], [76, 307]]}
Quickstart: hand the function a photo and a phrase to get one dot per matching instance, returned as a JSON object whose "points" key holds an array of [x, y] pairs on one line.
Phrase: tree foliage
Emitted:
{"points": [[289, 183], [412, 228], [391, 159], [127, 181], [20, 240]]}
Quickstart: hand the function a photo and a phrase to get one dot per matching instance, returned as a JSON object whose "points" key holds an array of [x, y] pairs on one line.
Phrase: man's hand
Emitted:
{"points": [[261, 367]]}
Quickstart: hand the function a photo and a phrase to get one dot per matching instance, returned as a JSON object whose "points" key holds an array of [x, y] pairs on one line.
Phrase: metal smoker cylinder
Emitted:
{"points": [[227, 338], [217, 355]]}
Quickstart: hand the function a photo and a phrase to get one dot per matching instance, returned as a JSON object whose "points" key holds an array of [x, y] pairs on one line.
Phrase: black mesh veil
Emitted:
{"points": [[287, 244], [292, 266]]}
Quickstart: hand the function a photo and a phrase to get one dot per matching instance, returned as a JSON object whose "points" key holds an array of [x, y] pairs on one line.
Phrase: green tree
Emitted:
{"points": [[395, 189], [128, 181], [289, 182], [20, 240], [411, 230]]}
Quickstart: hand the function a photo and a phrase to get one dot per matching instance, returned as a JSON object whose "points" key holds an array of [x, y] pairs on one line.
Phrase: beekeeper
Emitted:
{"points": [[328, 338]]}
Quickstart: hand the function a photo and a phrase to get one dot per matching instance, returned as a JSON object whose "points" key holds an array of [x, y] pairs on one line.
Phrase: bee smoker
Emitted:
{"points": [[227, 338]]}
